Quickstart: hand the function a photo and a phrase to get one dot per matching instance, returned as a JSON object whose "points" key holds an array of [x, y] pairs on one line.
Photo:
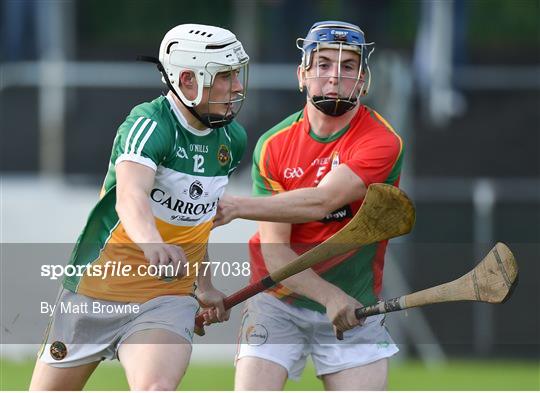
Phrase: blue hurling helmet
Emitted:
{"points": [[340, 36]]}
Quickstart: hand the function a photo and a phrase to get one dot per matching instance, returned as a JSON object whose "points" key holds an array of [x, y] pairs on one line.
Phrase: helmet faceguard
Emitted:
{"points": [[223, 96], [351, 82], [207, 52]]}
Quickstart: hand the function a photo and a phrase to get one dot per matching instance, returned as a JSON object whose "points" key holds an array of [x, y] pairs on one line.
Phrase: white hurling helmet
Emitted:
{"points": [[206, 51]]}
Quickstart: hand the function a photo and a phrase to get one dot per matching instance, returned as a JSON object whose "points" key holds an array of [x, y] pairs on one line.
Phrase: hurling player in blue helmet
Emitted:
{"points": [[341, 36], [310, 174]]}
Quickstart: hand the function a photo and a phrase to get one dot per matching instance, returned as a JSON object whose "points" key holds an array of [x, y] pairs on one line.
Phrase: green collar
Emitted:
{"points": [[330, 138]]}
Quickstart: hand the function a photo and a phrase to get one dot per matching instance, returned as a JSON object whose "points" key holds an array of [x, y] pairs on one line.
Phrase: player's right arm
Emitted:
{"points": [[141, 144], [133, 185], [275, 245], [134, 182]]}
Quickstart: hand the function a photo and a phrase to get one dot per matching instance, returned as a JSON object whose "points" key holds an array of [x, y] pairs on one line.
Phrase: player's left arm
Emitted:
{"points": [[340, 187]]}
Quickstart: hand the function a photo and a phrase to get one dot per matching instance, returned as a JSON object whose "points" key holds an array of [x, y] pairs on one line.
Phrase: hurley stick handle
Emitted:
{"points": [[381, 307], [234, 299]]}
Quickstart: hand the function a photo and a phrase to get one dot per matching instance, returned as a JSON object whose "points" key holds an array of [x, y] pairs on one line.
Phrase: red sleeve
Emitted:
{"points": [[373, 159]]}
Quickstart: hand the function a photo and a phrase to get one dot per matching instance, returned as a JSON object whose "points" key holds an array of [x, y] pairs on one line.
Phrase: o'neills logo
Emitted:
{"points": [[178, 205]]}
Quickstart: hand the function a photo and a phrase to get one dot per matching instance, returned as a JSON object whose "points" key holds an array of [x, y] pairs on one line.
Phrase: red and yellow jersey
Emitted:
{"points": [[290, 156]]}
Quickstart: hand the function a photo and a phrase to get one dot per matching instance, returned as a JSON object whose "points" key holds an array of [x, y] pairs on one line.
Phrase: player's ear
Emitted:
{"points": [[301, 74], [364, 90], [187, 79], [188, 84]]}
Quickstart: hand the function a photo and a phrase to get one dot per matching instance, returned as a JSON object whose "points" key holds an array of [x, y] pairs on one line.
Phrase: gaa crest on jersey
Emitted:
{"points": [[223, 155], [58, 350], [196, 190]]}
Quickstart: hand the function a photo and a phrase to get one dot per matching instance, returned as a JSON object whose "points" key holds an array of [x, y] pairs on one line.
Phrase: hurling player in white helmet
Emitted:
{"points": [[310, 174], [138, 287]]}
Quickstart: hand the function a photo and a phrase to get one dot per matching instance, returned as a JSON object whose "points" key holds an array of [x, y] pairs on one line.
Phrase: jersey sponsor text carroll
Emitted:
{"points": [[180, 206]]}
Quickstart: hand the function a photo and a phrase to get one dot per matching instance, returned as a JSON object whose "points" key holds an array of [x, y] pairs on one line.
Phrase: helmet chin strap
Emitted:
{"points": [[212, 120], [333, 106], [208, 119]]}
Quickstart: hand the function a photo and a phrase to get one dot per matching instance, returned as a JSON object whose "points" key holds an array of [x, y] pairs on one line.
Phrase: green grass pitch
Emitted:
{"points": [[409, 375]]}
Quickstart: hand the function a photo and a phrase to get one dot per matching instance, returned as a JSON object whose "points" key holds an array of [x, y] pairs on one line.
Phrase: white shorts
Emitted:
{"points": [[286, 335], [83, 330]]}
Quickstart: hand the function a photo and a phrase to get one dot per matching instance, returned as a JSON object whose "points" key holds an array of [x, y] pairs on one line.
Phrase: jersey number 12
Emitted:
{"points": [[198, 162]]}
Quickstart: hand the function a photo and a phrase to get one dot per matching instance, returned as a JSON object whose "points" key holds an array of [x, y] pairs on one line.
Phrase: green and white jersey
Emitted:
{"points": [[191, 167]]}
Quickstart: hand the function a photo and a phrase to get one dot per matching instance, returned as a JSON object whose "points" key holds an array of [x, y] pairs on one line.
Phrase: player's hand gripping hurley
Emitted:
{"points": [[386, 212], [491, 281]]}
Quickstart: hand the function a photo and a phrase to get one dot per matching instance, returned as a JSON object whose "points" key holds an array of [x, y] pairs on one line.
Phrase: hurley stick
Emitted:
{"points": [[492, 281], [386, 212]]}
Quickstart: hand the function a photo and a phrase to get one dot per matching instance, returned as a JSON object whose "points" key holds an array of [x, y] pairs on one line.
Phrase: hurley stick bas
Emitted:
{"points": [[493, 280], [386, 212]]}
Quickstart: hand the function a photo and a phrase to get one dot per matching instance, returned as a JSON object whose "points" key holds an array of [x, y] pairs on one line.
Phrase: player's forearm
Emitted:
{"points": [[204, 281], [306, 283], [297, 206], [204, 277], [137, 218]]}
